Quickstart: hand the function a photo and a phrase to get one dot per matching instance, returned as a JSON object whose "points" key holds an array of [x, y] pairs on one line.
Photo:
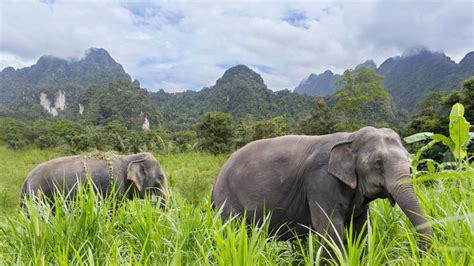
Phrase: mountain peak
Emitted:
{"points": [[99, 55], [97, 51], [419, 50], [97, 67], [240, 72], [469, 57], [319, 85], [50, 59], [8, 69], [368, 63], [327, 73]]}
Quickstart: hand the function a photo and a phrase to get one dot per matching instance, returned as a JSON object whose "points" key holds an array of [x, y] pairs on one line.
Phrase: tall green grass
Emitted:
{"points": [[14, 166], [91, 230]]}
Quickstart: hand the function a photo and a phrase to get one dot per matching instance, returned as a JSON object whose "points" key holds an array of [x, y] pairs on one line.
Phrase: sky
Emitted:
{"points": [[180, 45]]}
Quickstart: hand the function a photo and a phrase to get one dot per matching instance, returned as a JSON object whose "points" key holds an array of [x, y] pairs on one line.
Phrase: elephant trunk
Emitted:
{"points": [[403, 194]]}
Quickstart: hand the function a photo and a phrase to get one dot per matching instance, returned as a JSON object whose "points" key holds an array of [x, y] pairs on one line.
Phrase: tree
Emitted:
{"points": [[271, 128], [363, 101], [246, 130], [321, 120], [430, 118], [12, 132], [435, 107], [216, 131], [120, 100], [467, 98]]}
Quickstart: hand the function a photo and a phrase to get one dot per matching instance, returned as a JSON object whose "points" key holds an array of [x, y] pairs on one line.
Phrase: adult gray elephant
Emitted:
{"points": [[312, 181], [129, 176]]}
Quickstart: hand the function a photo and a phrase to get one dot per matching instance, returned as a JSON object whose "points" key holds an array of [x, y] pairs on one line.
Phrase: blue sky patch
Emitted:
{"points": [[48, 2], [296, 19], [226, 66], [153, 61], [263, 68], [146, 12]]}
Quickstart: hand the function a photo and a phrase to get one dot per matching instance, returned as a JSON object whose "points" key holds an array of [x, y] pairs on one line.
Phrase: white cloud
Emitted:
{"points": [[180, 45]]}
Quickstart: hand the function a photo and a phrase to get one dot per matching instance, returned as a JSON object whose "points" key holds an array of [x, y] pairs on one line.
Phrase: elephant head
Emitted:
{"points": [[147, 176], [374, 162]]}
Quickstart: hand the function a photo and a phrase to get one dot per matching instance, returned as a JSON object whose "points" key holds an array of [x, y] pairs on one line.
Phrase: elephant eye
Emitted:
{"points": [[379, 163]]}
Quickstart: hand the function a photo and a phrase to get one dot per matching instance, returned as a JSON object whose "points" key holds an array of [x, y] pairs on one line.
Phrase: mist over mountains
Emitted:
{"points": [[408, 77]]}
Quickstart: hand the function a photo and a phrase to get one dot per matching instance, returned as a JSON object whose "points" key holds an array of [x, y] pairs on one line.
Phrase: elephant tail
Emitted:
{"points": [[213, 205], [23, 195]]}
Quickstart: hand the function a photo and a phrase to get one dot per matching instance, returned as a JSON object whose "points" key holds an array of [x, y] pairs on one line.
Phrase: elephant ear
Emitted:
{"points": [[136, 173], [341, 163]]}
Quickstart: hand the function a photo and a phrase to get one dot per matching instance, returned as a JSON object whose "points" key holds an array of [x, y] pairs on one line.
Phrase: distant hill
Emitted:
{"points": [[325, 83], [319, 85], [408, 77], [240, 91], [96, 68], [95, 89], [369, 64]]}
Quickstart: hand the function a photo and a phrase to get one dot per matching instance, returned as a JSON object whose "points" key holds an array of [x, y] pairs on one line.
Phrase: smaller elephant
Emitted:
{"points": [[131, 176]]}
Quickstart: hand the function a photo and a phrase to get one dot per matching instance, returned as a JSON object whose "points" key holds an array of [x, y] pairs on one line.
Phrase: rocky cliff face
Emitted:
{"points": [[59, 103]]}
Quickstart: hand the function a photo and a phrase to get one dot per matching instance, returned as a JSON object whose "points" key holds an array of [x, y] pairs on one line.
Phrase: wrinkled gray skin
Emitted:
{"points": [[134, 175], [304, 179]]}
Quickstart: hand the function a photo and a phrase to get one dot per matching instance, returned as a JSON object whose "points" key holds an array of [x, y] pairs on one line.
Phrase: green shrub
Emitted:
{"points": [[457, 141], [12, 133], [216, 131]]}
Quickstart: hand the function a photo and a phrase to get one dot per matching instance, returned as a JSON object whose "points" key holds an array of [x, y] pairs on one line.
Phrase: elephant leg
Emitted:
{"points": [[330, 225], [359, 222], [333, 237]]}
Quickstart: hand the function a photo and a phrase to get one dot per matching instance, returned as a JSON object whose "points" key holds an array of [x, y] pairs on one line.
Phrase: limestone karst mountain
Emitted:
{"points": [[97, 67], [240, 91], [408, 77]]}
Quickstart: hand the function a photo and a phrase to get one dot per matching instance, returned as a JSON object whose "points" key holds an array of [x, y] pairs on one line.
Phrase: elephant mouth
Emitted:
{"points": [[386, 195], [390, 198]]}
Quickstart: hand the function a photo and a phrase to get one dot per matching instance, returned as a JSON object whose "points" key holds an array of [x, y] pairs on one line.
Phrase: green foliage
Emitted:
{"points": [[271, 128], [119, 100], [410, 78], [321, 120], [458, 139], [363, 101], [74, 137], [458, 132], [465, 96], [185, 140], [216, 131], [12, 132], [250, 129], [239, 92], [93, 230], [432, 116], [435, 108], [246, 130], [96, 68]]}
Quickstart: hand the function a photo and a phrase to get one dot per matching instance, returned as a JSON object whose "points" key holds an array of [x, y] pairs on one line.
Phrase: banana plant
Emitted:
{"points": [[457, 141]]}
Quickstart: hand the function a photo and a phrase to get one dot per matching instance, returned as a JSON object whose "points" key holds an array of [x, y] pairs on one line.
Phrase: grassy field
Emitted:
{"points": [[189, 232]]}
